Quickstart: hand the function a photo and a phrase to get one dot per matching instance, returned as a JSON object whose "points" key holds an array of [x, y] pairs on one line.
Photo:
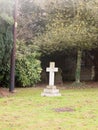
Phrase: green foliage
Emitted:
{"points": [[28, 67], [6, 18], [69, 28], [6, 11], [5, 75], [80, 35], [66, 29], [6, 22], [28, 71], [5, 52], [30, 21], [59, 26]]}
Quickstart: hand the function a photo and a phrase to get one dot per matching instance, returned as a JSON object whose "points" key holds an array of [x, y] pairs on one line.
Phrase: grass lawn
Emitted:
{"points": [[76, 109]]}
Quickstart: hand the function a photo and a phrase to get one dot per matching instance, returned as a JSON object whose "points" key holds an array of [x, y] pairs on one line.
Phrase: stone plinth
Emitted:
{"points": [[51, 91]]}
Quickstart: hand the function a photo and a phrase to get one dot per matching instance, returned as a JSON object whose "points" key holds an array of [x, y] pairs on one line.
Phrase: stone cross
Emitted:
{"points": [[51, 90], [52, 69]]}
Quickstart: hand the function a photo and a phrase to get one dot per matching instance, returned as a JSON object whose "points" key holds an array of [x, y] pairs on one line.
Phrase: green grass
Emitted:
{"points": [[27, 110]]}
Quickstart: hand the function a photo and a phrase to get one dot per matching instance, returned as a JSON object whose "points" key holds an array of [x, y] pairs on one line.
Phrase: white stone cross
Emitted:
{"points": [[52, 69]]}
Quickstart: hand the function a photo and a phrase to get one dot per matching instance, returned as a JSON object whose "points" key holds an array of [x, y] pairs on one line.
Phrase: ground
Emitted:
{"points": [[4, 92], [76, 109]]}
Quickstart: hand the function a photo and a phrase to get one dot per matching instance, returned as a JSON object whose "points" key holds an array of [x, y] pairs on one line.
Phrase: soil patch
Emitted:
{"points": [[64, 109], [4, 92]]}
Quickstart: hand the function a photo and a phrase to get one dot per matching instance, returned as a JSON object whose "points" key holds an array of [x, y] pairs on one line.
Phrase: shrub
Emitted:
{"points": [[5, 75], [28, 66], [6, 41]]}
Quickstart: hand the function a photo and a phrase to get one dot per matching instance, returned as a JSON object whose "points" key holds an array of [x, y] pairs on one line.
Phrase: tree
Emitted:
{"points": [[6, 25], [28, 67], [78, 32], [31, 20], [83, 37], [84, 33]]}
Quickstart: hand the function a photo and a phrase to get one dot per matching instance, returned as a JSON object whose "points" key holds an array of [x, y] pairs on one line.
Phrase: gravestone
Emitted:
{"points": [[51, 89]]}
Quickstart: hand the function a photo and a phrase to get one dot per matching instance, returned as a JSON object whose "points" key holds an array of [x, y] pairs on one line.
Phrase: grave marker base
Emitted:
{"points": [[51, 91]]}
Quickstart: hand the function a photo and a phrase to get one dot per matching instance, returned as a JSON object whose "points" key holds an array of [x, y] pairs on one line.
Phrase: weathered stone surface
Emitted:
{"points": [[50, 92], [52, 69]]}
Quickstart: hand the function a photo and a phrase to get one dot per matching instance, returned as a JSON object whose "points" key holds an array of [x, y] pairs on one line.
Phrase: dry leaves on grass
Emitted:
{"points": [[4, 92]]}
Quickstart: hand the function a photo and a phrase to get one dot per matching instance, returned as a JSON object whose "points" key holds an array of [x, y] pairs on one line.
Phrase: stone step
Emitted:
{"points": [[51, 90], [51, 94]]}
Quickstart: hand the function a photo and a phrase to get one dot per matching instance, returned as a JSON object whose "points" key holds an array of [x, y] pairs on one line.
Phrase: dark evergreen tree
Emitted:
{"points": [[6, 39]]}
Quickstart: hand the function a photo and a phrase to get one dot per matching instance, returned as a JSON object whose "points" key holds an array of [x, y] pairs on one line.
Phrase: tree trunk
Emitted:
{"points": [[78, 66]]}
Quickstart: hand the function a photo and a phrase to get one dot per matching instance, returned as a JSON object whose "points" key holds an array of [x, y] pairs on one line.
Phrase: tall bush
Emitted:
{"points": [[6, 39], [28, 66]]}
